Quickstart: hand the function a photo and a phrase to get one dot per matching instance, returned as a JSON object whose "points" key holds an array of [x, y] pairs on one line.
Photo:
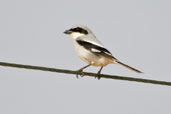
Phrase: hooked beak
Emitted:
{"points": [[67, 32]]}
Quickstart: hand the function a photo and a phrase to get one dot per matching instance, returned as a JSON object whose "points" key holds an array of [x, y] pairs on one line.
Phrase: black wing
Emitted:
{"points": [[99, 51]]}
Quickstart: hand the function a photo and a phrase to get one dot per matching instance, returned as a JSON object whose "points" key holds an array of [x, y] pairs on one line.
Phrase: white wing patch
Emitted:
{"points": [[95, 50], [108, 53], [98, 51]]}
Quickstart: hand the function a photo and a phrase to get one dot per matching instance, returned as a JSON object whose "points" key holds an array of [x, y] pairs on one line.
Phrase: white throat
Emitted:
{"points": [[76, 35]]}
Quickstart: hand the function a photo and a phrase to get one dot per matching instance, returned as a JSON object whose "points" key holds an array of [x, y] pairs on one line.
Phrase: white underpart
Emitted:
{"points": [[76, 35], [87, 55], [91, 58]]}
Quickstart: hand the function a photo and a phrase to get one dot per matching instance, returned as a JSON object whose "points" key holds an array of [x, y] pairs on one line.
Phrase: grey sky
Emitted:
{"points": [[136, 32]]}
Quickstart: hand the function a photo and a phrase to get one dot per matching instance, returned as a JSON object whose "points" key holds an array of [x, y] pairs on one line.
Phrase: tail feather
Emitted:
{"points": [[131, 68]]}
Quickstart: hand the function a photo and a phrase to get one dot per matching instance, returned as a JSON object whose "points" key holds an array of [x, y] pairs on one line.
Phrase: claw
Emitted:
{"points": [[98, 75], [80, 72]]}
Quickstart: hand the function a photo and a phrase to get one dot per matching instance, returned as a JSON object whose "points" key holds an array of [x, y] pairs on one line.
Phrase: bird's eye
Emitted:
{"points": [[80, 30]]}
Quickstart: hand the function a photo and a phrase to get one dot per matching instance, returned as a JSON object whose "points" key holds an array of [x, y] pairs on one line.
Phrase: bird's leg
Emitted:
{"points": [[81, 70], [98, 73]]}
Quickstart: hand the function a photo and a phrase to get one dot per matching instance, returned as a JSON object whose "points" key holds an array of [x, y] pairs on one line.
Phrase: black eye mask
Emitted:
{"points": [[80, 30]]}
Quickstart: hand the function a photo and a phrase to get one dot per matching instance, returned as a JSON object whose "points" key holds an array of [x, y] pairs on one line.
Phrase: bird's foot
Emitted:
{"points": [[98, 75], [80, 72]]}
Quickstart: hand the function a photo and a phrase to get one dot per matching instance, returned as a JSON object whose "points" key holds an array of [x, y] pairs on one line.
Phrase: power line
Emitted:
{"points": [[86, 73]]}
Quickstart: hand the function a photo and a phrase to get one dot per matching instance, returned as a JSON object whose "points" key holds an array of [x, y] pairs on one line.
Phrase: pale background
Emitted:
{"points": [[137, 32]]}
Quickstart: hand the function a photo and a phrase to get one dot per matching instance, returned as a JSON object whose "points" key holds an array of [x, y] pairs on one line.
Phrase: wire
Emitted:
{"points": [[86, 73]]}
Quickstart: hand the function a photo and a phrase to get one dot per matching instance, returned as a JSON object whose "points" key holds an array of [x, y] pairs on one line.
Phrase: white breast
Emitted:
{"points": [[90, 57]]}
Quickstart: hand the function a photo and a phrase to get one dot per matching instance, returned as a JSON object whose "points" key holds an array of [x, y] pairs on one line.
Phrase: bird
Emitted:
{"points": [[91, 50]]}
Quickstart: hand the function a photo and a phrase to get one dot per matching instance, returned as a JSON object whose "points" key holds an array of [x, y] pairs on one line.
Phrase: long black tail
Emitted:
{"points": [[131, 68]]}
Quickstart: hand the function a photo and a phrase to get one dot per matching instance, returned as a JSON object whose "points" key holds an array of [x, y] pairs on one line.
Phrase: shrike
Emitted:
{"points": [[91, 50]]}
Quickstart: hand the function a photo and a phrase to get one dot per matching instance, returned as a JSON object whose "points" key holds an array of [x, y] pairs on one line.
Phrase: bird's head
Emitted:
{"points": [[78, 31]]}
